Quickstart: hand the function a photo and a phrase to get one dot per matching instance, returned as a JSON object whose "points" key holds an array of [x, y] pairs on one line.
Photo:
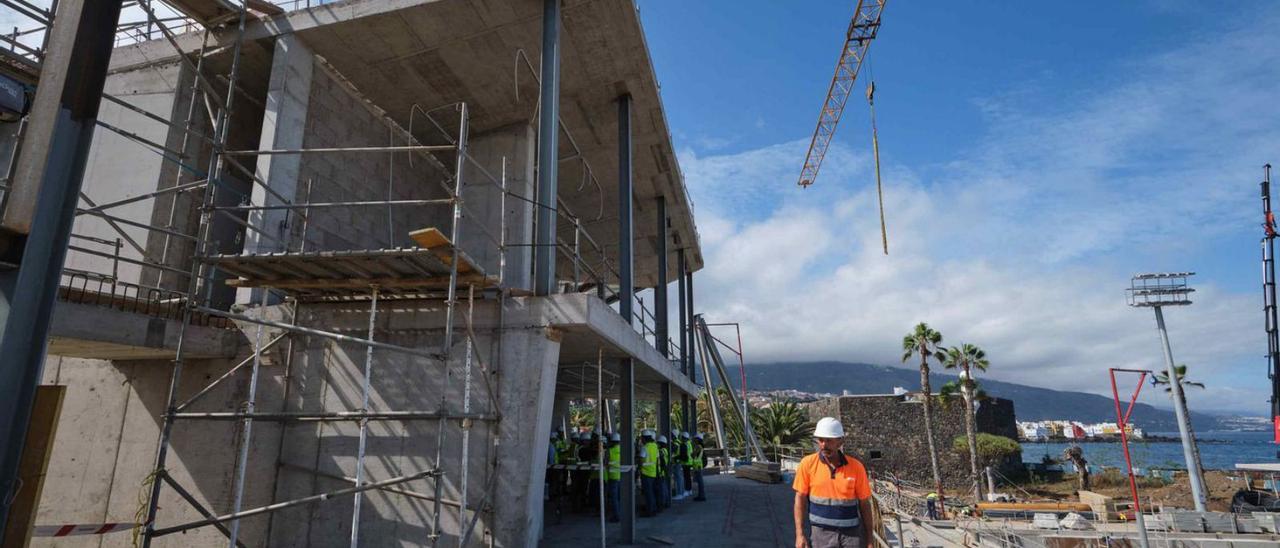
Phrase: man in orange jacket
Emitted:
{"points": [[833, 490]]}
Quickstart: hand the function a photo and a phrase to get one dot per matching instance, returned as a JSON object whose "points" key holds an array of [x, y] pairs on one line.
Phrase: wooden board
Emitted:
{"points": [[439, 245], [34, 464]]}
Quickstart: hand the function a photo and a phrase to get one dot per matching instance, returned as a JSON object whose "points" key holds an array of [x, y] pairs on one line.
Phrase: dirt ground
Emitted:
{"points": [[1222, 486]]}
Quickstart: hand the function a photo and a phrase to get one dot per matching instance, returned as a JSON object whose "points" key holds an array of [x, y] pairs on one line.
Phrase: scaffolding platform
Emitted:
{"points": [[395, 272]]}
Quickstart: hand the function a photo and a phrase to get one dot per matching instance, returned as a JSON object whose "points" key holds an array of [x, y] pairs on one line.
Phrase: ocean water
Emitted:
{"points": [[1218, 451]]}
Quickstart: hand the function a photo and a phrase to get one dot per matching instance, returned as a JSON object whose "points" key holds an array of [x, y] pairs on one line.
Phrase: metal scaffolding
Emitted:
{"points": [[188, 265]]}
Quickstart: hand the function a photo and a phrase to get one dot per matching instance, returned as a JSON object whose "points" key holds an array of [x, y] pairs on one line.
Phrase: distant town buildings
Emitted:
{"points": [[1072, 430]]}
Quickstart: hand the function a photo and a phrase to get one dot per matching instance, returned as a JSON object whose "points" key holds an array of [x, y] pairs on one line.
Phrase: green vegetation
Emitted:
{"points": [[992, 449], [926, 343]]}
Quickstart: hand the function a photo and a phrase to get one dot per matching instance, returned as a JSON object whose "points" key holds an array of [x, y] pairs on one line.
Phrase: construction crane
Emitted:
{"points": [[862, 30]]}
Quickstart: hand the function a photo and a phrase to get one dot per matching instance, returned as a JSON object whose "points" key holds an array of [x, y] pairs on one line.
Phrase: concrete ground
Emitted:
{"points": [[737, 512]]}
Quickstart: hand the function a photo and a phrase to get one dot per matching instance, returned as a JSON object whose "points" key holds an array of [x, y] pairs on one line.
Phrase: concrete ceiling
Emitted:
{"points": [[441, 52], [399, 53]]}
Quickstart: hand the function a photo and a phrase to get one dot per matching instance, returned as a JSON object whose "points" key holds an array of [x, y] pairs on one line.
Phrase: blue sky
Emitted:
{"points": [[1035, 155]]}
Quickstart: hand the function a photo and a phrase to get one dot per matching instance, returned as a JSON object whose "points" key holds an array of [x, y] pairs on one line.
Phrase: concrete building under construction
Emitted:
{"points": [[332, 271]]}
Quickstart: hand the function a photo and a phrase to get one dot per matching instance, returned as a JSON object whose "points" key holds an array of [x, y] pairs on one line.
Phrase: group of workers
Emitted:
{"points": [[833, 492], [667, 469]]}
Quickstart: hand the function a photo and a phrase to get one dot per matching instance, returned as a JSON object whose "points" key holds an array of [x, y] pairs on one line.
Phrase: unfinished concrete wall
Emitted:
{"points": [[887, 433], [502, 466], [105, 447]]}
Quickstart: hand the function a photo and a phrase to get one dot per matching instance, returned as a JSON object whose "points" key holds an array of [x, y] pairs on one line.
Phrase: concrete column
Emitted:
{"points": [[548, 134], [484, 200], [528, 393], [284, 124], [75, 70], [664, 408]]}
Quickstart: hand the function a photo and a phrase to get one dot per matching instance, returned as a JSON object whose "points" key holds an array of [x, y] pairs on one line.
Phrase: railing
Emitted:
{"points": [[89, 288]]}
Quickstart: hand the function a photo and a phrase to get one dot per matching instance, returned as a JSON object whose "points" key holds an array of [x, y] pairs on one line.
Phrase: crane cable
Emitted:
{"points": [[875, 148]]}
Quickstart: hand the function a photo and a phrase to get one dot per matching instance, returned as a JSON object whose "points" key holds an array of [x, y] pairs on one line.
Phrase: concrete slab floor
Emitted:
{"points": [[737, 512]]}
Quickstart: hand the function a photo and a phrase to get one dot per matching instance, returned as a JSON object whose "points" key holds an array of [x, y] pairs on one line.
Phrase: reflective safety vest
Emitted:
{"points": [[615, 463], [688, 453], [834, 490], [649, 464], [568, 453], [664, 461], [695, 458]]}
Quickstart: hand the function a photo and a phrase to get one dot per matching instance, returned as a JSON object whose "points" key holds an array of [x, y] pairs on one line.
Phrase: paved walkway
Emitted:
{"points": [[738, 512]]}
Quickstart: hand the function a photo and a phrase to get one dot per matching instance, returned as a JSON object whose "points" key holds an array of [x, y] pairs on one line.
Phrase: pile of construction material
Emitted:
{"points": [[763, 472]]}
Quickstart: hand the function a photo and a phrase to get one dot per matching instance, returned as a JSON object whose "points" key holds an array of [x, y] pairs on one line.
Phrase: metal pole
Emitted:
{"points": [[246, 435], [451, 304], [1124, 439], [604, 475], [693, 356], [85, 33], [544, 251], [466, 409], [626, 298], [364, 422], [660, 305], [1193, 472], [1269, 301]]}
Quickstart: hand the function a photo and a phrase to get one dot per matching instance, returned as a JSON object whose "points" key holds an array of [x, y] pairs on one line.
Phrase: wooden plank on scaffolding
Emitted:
{"points": [[34, 464], [439, 245], [208, 12], [264, 7], [436, 282]]}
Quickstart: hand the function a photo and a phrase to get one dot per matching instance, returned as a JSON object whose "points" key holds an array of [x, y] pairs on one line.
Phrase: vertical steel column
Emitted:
{"points": [[683, 312], [693, 356], [661, 335], [80, 47], [544, 249], [626, 297]]}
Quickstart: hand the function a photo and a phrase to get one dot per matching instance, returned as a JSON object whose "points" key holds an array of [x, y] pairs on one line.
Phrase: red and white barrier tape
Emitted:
{"points": [[81, 529]]}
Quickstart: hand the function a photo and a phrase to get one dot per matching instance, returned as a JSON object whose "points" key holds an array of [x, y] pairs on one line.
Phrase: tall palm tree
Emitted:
{"points": [[1162, 378], [781, 426], [966, 358], [925, 342]]}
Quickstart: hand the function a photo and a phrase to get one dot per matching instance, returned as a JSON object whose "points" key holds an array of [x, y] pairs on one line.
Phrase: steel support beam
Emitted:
{"points": [[683, 312], [79, 49], [544, 250], [661, 334], [693, 356], [626, 296]]}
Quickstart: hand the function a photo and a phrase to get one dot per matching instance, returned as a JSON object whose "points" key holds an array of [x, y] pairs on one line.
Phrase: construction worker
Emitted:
{"points": [[649, 473], [614, 478], [931, 505], [553, 459], [688, 465], [557, 475], [697, 464], [677, 466], [834, 491], [578, 477], [664, 473]]}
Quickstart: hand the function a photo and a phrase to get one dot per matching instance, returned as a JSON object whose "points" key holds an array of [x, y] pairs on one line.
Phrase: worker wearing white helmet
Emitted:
{"points": [[612, 479], [833, 489], [686, 463], [677, 466], [664, 471], [649, 473], [696, 464]]}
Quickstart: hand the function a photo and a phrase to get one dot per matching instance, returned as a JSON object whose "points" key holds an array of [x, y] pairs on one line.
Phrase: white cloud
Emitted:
{"points": [[1023, 246]]}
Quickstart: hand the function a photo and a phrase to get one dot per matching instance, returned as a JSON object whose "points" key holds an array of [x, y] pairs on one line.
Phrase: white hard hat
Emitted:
{"points": [[699, 436], [828, 428], [646, 432], [615, 437], [662, 439], [685, 435]]}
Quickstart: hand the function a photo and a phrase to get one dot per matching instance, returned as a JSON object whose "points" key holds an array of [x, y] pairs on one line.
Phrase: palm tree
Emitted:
{"points": [[1163, 379], [966, 358], [926, 343], [781, 426]]}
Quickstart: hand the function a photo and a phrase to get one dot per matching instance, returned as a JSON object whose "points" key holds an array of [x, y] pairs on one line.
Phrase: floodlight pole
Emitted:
{"points": [[1184, 429]]}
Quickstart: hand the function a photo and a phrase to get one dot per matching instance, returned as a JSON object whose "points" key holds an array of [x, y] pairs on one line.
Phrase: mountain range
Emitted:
{"points": [[1030, 402]]}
